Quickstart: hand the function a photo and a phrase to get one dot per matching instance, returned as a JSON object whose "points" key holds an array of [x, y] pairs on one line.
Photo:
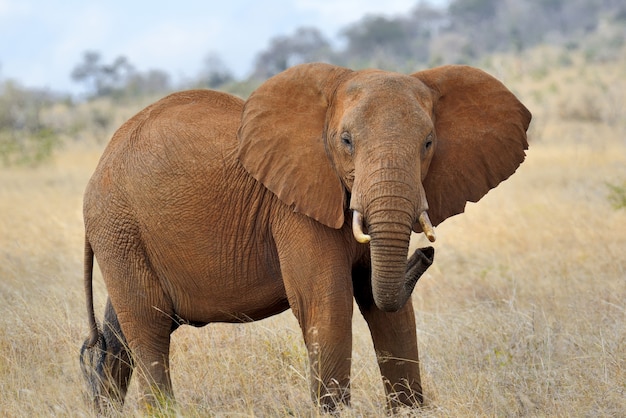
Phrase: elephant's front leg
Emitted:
{"points": [[395, 342], [329, 345], [319, 290]]}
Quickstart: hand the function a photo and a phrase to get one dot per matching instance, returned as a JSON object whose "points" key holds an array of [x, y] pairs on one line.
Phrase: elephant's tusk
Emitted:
{"points": [[427, 227], [357, 228]]}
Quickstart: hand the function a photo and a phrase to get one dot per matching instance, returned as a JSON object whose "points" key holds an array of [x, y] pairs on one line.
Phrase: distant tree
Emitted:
{"points": [[102, 79], [502, 25], [148, 83], [451, 48], [25, 137], [472, 12], [215, 72], [425, 24], [474, 20], [428, 20], [375, 34], [393, 43], [305, 45]]}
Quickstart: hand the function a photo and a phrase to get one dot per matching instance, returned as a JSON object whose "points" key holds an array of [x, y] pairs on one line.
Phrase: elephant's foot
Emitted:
{"points": [[332, 397], [102, 392], [107, 369], [158, 402], [404, 394]]}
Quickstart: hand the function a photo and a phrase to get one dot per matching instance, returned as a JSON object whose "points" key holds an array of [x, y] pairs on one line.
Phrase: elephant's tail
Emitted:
{"points": [[94, 332]]}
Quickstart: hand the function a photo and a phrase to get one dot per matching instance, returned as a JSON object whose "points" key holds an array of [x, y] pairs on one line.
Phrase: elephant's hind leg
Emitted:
{"points": [[147, 325], [145, 314], [107, 367]]}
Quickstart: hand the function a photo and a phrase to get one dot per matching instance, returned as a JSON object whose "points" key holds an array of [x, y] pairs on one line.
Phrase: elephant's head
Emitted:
{"points": [[395, 149]]}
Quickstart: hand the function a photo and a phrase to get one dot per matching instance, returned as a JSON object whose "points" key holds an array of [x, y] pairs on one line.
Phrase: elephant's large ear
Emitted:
{"points": [[481, 137], [281, 140]]}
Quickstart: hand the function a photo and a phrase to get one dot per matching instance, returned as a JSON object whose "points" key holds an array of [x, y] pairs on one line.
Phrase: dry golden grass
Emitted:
{"points": [[523, 312]]}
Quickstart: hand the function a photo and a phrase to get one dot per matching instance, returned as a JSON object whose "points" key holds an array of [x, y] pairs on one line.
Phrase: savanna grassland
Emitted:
{"points": [[522, 314]]}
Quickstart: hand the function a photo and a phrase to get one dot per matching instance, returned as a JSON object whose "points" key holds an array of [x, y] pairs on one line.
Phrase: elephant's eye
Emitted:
{"points": [[346, 140], [429, 142]]}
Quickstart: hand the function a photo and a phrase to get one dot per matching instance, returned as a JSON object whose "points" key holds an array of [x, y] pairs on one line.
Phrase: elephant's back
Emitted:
{"points": [[163, 156], [180, 124], [171, 135]]}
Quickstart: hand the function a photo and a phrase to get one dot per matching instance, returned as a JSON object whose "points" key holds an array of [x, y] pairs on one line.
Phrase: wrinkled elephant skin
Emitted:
{"points": [[207, 208]]}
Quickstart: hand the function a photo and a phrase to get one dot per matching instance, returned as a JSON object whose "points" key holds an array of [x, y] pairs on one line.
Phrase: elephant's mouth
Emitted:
{"points": [[363, 238]]}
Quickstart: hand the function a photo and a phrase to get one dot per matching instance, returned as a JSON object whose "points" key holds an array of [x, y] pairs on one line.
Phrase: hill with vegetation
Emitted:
{"points": [[32, 123]]}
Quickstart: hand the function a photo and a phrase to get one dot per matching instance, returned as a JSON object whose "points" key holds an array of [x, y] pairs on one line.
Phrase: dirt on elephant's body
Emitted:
{"points": [[521, 313]]}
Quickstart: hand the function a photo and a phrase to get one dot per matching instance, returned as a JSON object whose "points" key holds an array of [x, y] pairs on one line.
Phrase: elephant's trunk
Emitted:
{"points": [[389, 250], [392, 209], [388, 199], [388, 266], [393, 277]]}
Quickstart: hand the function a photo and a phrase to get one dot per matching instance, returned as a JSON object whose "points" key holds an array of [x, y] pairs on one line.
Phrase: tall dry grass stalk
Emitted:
{"points": [[522, 313]]}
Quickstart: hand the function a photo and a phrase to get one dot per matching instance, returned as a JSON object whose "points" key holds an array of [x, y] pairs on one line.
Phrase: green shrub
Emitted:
{"points": [[31, 149], [24, 136], [617, 195]]}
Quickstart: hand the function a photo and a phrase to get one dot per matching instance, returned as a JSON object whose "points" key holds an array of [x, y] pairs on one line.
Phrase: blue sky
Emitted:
{"points": [[41, 41]]}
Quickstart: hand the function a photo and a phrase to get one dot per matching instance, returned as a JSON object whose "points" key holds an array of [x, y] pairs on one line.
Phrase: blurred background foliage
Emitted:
{"points": [[33, 122]]}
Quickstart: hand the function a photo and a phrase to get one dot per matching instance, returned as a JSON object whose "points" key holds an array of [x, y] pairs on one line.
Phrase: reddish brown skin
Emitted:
{"points": [[205, 208]]}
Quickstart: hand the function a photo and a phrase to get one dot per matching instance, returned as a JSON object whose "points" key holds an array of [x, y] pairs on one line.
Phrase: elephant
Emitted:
{"points": [[207, 208]]}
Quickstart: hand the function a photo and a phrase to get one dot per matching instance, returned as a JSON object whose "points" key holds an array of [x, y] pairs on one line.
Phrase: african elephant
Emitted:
{"points": [[207, 208]]}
